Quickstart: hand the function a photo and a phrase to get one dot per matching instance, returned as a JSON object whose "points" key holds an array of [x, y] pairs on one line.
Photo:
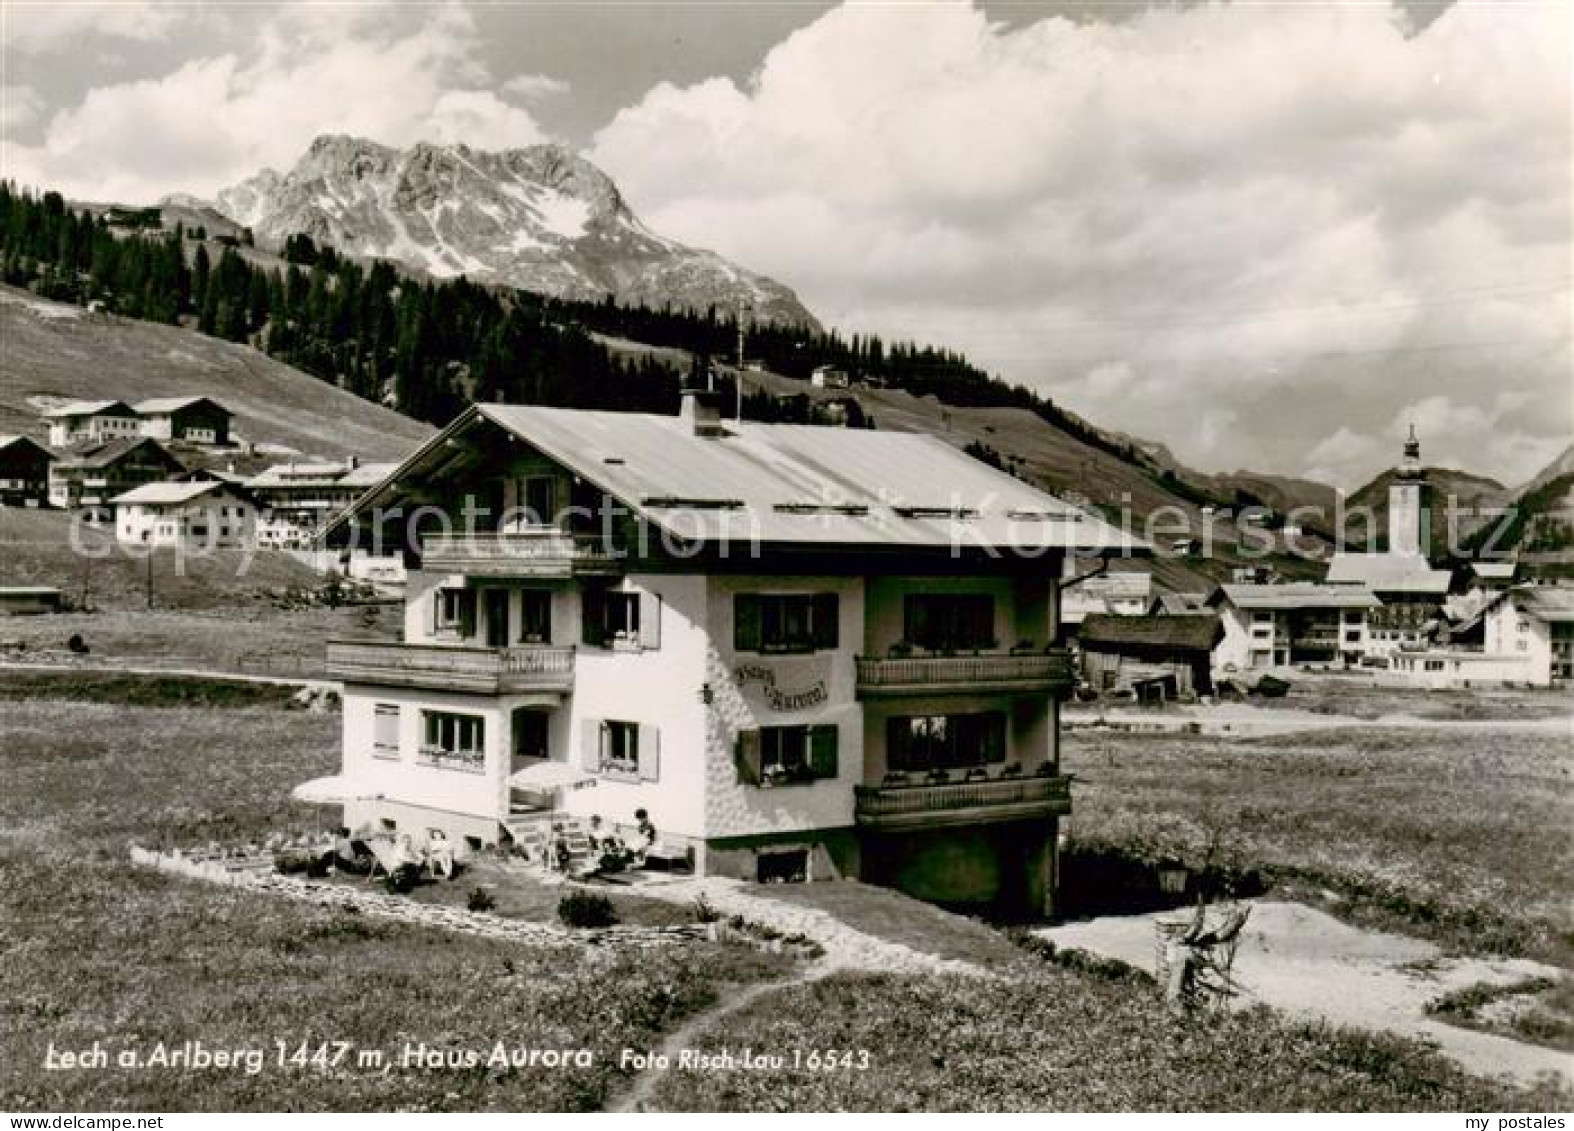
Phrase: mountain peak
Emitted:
{"points": [[540, 217]]}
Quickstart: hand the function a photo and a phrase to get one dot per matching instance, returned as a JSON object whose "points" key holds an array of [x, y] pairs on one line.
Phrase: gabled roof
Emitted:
{"points": [[1115, 585], [781, 484], [17, 441], [105, 454], [160, 406], [1387, 573], [367, 475], [90, 408], [1178, 604], [170, 494], [1297, 595], [1548, 602], [339, 475], [1183, 632]]}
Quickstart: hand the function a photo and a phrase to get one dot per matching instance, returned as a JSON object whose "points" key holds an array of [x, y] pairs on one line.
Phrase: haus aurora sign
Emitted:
{"points": [[800, 695]]}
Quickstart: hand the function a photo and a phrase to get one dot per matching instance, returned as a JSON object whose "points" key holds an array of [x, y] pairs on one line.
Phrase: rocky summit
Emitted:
{"points": [[541, 218]]}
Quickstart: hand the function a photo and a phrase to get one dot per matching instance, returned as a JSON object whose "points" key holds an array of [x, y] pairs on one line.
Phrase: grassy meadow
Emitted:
{"points": [[97, 950], [1461, 836]]}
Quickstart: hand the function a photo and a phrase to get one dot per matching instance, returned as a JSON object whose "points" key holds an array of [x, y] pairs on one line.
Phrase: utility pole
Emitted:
{"points": [[745, 309]]}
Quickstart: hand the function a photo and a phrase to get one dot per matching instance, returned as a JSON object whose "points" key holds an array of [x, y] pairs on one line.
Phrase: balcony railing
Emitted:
{"points": [[962, 803], [542, 552], [1043, 671], [489, 671]]}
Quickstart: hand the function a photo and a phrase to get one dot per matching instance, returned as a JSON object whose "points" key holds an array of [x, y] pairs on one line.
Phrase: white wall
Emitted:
{"points": [[742, 703]]}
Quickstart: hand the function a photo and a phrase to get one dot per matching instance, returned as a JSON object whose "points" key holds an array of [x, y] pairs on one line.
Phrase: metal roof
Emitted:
{"points": [[786, 484], [1298, 595], [169, 493], [1387, 573], [89, 408], [160, 405], [105, 454]]}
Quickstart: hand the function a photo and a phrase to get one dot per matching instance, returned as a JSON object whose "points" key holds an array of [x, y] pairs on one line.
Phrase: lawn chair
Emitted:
{"points": [[386, 857]]}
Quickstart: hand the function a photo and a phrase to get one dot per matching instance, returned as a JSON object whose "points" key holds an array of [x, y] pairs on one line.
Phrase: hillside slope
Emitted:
{"points": [[57, 352]]}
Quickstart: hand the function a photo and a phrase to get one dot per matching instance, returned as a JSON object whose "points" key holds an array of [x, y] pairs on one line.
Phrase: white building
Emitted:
{"points": [[1269, 626], [829, 377], [202, 515], [1402, 578], [1523, 635], [80, 423], [801, 651], [296, 500]]}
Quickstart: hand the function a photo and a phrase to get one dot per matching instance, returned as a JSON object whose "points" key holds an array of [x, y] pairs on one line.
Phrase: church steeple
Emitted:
{"points": [[1407, 518], [1410, 466]]}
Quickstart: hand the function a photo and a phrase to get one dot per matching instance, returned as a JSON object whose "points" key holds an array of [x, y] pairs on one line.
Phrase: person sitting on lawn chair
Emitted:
{"points": [[439, 855]]}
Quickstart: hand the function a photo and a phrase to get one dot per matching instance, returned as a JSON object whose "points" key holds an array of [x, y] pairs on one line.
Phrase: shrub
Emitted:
{"points": [[480, 900], [586, 909]]}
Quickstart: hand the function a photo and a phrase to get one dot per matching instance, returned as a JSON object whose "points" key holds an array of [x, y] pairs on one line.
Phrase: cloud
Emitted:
{"points": [[20, 105], [389, 74], [30, 26], [533, 88], [1239, 229]]}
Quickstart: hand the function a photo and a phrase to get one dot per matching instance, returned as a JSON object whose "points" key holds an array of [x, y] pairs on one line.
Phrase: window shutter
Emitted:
{"points": [[590, 742], [593, 605], [822, 751], [826, 629], [649, 752], [748, 757], [650, 620], [746, 622]]}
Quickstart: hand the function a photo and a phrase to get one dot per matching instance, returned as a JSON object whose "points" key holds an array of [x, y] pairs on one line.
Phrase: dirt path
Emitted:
{"points": [[642, 1087], [1305, 962]]}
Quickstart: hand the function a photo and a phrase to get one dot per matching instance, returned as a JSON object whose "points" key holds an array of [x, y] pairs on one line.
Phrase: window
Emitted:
{"points": [[385, 730], [950, 622], [539, 495], [454, 611], [622, 750], [453, 738], [535, 616], [787, 755], [784, 622], [611, 616], [1434, 665], [942, 742]]}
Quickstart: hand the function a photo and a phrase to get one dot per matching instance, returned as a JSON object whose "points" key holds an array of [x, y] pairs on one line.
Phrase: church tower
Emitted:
{"points": [[1407, 512]]}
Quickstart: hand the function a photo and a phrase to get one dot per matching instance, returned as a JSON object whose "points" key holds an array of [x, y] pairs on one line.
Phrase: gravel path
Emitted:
{"points": [[1305, 962], [845, 948]]}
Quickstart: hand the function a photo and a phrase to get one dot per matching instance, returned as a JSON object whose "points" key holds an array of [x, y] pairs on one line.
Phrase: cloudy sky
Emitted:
{"points": [[1267, 235]]}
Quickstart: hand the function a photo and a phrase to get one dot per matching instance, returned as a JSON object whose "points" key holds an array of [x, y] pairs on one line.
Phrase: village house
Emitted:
{"points": [[829, 377], [1268, 626], [801, 651], [24, 472], [296, 500], [1523, 635], [191, 420], [1122, 593], [82, 423], [191, 515], [88, 480], [1159, 657]]}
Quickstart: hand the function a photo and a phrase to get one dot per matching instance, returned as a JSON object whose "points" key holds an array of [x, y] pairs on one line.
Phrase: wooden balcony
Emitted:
{"points": [[540, 552], [961, 803], [486, 671], [930, 675]]}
